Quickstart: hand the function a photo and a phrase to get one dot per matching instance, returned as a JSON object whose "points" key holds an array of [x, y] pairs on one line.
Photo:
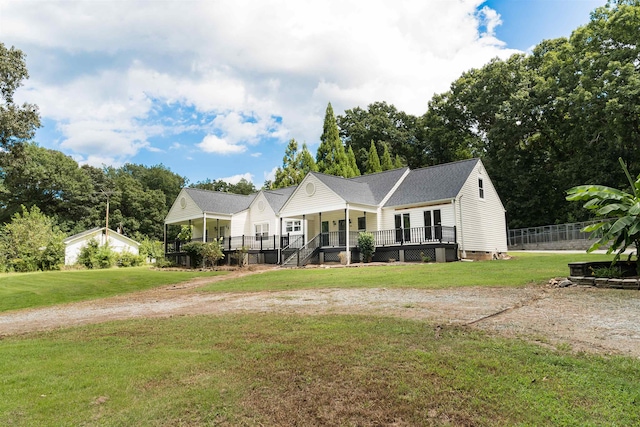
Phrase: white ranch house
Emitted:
{"points": [[443, 212], [117, 242]]}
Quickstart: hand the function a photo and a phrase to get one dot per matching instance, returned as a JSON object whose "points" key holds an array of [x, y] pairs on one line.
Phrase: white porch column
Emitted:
{"points": [[348, 249], [204, 227]]}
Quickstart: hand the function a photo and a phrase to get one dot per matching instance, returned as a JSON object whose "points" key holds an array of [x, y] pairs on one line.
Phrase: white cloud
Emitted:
{"points": [[271, 175], [101, 69], [214, 144], [236, 178], [490, 19]]}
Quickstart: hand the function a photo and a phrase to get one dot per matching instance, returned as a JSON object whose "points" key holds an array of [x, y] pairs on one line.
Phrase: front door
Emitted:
{"points": [[342, 235], [437, 222], [324, 240], [398, 228], [403, 228]]}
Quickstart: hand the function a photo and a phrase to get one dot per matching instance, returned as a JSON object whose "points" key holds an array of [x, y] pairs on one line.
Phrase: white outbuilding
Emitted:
{"points": [[117, 242]]}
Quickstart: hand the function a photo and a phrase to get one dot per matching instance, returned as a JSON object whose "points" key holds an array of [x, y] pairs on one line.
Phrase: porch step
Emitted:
{"points": [[305, 254]]}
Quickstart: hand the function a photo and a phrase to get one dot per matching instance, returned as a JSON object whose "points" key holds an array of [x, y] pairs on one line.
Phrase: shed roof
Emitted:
{"points": [[434, 183], [218, 201]]}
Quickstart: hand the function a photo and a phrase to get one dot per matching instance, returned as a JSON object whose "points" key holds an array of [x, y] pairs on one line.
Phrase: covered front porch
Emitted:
{"points": [[326, 237]]}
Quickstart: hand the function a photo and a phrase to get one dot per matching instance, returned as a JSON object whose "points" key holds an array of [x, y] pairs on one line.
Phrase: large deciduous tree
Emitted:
{"points": [[37, 176], [551, 120], [18, 123], [383, 124]]}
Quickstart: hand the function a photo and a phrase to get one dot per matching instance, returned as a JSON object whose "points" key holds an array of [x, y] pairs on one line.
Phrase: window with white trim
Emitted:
{"points": [[262, 230], [481, 188], [293, 226]]}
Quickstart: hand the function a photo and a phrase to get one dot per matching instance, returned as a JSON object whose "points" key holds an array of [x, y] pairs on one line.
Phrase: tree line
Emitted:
{"points": [[542, 123]]}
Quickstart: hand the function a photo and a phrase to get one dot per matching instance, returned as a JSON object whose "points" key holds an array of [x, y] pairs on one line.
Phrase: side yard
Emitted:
{"points": [[389, 345]]}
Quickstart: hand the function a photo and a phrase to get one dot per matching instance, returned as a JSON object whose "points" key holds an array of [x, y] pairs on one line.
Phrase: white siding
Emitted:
{"points": [[117, 243], [483, 226], [177, 213], [416, 215], [255, 216], [322, 200], [238, 221]]}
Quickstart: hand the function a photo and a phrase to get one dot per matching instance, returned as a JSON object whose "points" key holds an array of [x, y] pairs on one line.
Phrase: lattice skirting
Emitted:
{"points": [[382, 255], [419, 254], [332, 257], [271, 257]]}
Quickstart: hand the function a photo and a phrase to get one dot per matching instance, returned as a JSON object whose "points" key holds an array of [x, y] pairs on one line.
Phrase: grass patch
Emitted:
{"points": [[522, 269], [27, 290], [294, 370]]}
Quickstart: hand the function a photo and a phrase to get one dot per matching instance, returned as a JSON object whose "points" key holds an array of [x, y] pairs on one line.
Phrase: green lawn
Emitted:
{"points": [[295, 370], [524, 268], [25, 290]]}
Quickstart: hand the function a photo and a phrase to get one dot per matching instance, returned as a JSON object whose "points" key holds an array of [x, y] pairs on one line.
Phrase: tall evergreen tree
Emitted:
{"points": [[386, 162], [306, 163], [289, 173], [352, 163], [295, 166], [373, 160], [398, 162], [331, 156]]}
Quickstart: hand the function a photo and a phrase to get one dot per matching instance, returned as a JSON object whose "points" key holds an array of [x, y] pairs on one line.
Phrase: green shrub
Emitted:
{"points": [[30, 242], [612, 272], [185, 233], [204, 254], [366, 245], [151, 249], [92, 255], [127, 259]]}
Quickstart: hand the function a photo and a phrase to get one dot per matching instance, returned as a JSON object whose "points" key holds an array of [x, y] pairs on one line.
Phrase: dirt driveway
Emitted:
{"points": [[588, 319]]}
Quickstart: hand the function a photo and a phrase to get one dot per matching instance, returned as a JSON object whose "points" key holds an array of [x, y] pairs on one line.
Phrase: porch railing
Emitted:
{"points": [[288, 242], [415, 235]]}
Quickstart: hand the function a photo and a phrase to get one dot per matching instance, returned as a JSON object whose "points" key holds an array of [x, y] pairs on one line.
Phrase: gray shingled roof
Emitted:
{"points": [[439, 182], [219, 202], [278, 197], [351, 191], [381, 183]]}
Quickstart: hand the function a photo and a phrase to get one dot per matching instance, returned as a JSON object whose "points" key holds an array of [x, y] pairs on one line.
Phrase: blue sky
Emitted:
{"points": [[216, 89]]}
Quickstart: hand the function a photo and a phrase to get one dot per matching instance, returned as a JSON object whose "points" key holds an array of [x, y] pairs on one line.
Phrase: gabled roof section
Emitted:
{"points": [[218, 201], [434, 183], [278, 197], [349, 190], [96, 230], [82, 234], [381, 183]]}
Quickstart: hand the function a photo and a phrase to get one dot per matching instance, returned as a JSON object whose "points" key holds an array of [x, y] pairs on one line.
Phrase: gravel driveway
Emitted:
{"points": [[588, 319]]}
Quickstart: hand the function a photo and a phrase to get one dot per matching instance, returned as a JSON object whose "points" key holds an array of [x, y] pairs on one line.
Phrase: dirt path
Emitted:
{"points": [[588, 319]]}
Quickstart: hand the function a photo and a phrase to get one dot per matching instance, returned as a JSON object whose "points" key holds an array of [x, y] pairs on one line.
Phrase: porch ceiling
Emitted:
{"points": [[198, 218]]}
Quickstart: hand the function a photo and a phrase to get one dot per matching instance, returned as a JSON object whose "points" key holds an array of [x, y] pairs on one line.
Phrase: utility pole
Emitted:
{"points": [[107, 193]]}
